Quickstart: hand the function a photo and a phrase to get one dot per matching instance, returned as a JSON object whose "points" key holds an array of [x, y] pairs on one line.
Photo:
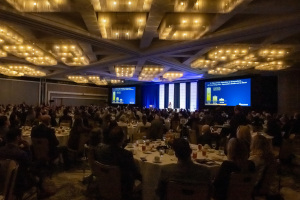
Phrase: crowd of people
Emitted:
{"points": [[101, 125]]}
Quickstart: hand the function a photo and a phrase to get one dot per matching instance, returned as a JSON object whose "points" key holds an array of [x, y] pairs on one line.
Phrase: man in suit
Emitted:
{"points": [[113, 154], [185, 170], [44, 131], [156, 129], [237, 119]]}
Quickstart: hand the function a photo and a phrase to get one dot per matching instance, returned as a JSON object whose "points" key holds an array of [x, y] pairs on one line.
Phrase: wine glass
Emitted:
{"points": [[161, 152]]}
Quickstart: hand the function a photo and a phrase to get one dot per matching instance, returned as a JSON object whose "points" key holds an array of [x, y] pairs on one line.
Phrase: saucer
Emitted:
{"points": [[147, 152], [157, 161]]}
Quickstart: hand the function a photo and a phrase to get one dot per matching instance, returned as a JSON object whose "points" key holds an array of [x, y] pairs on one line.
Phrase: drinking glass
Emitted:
{"points": [[214, 145], [194, 155], [161, 152], [204, 152]]}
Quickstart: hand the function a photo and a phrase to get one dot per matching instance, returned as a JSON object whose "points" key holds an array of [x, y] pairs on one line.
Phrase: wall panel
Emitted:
{"points": [[18, 91]]}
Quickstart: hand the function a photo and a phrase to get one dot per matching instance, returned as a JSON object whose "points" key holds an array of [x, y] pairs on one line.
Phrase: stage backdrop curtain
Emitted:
{"points": [[150, 95]]}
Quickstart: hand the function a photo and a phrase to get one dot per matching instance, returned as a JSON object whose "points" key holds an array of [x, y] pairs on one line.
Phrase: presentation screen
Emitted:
{"points": [[228, 93], [123, 95]]}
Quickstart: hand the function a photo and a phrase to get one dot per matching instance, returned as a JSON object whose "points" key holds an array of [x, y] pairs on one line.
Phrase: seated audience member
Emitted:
{"points": [[273, 129], [144, 122], [244, 135], [185, 170], [113, 154], [261, 154], [295, 124], [156, 129], [44, 131], [206, 136], [4, 128], [13, 151], [237, 154], [77, 130], [66, 117]]}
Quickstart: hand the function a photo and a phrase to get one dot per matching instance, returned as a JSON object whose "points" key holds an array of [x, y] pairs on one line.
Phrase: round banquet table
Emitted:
{"points": [[150, 170], [62, 135]]}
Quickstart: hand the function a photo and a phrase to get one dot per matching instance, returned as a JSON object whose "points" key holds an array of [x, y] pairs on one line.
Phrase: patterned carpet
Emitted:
{"points": [[69, 185]]}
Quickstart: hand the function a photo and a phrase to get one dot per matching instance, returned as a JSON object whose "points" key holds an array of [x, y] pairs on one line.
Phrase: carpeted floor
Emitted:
{"points": [[69, 185]]}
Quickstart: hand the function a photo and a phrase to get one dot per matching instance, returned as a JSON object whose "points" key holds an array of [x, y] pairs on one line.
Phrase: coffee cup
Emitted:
{"points": [[157, 159]]}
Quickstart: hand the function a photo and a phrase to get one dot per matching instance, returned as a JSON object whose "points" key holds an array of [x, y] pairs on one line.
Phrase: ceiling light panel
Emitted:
{"points": [[203, 63], [32, 53], [150, 72], [121, 5], [7, 72], [96, 80], [70, 54], [122, 25], [78, 79], [21, 70], [240, 64], [2, 53], [183, 26], [40, 5], [172, 75], [125, 70], [221, 71], [226, 53], [272, 66], [116, 81], [273, 53], [9, 36]]}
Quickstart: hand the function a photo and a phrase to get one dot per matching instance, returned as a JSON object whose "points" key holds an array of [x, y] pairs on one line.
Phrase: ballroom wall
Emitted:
{"points": [[289, 92], [75, 95], [13, 91]]}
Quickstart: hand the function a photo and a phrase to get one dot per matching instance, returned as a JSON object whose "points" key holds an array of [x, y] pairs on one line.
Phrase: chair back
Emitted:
{"points": [[193, 137], [8, 173], [40, 149], [143, 132], [191, 191], [267, 177], [241, 186], [109, 181]]}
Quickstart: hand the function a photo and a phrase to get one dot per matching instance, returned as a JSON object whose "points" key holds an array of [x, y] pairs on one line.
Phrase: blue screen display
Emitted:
{"points": [[124, 95], [228, 93]]}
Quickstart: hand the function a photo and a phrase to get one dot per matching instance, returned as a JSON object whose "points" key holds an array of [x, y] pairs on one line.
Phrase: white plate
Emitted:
{"points": [[147, 152]]}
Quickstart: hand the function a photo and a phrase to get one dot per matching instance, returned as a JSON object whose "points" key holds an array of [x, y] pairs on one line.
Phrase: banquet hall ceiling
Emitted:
{"points": [[147, 40]]}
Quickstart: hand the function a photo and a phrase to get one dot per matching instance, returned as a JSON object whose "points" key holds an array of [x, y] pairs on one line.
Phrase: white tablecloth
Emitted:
{"points": [[62, 135], [151, 171]]}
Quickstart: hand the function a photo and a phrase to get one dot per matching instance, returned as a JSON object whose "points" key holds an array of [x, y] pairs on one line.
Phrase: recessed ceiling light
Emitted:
{"points": [[129, 2], [115, 3], [34, 3]]}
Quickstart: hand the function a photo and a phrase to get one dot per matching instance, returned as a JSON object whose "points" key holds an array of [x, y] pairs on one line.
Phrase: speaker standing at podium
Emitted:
{"points": [[170, 105]]}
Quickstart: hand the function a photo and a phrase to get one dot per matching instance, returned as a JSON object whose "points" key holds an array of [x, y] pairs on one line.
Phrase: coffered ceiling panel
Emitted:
{"points": [[128, 41]]}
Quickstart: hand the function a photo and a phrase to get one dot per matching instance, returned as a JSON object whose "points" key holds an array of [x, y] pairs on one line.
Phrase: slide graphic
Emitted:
{"points": [[125, 95], [228, 93]]}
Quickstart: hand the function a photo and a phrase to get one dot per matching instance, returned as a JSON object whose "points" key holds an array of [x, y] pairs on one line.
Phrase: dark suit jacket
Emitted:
{"points": [[156, 130], [116, 156], [235, 122], [185, 172], [42, 131]]}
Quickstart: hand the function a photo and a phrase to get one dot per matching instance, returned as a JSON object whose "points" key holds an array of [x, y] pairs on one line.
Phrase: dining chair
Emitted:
{"points": [[262, 187], [241, 186], [108, 180], [193, 137], [186, 190], [8, 173]]}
